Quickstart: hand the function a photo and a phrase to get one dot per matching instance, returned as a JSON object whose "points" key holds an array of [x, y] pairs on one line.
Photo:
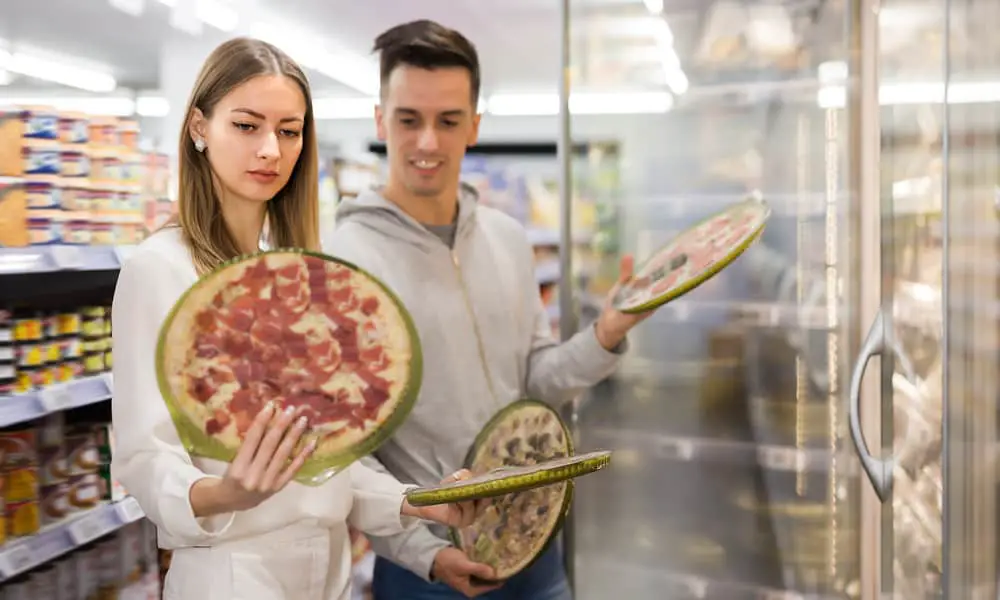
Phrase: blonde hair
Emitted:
{"points": [[293, 214]]}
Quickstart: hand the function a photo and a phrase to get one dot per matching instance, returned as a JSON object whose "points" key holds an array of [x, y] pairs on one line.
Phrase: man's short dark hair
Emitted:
{"points": [[426, 44]]}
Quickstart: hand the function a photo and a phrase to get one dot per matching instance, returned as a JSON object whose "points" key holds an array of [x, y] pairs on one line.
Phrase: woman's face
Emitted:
{"points": [[253, 138]]}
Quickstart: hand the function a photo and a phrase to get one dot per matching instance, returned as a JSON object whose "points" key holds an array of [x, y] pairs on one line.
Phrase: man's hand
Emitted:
{"points": [[457, 514], [612, 326], [453, 568]]}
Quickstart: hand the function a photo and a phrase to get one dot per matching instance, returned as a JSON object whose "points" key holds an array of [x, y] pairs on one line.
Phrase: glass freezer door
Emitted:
{"points": [[733, 474], [927, 80]]}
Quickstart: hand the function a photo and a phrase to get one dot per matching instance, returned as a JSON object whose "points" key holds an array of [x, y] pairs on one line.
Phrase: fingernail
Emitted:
{"points": [[302, 422], [289, 411], [269, 406]]}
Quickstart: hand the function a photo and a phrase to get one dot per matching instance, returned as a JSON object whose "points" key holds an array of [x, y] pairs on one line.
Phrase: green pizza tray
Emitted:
{"points": [[661, 264], [507, 480]]}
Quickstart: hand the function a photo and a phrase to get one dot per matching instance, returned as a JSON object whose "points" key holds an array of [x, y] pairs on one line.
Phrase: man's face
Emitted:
{"points": [[427, 119]]}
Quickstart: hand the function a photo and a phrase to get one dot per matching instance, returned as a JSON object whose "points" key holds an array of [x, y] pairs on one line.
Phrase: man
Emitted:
{"points": [[466, 274]]}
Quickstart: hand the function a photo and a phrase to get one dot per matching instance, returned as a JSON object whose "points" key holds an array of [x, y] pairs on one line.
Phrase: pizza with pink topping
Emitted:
{"points": [[693, 257], [298, 329]]}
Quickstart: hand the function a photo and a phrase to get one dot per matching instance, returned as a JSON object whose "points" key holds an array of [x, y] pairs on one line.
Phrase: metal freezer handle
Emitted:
{"points": [[879, 471]]}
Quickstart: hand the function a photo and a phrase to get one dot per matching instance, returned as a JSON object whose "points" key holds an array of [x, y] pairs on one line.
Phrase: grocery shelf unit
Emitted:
{"points": [[75, 197], [737, 473]]}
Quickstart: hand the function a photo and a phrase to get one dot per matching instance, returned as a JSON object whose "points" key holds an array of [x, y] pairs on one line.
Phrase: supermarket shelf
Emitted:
{"points": [[688, 449], [63, 396], [47, 259], [24, 555]]}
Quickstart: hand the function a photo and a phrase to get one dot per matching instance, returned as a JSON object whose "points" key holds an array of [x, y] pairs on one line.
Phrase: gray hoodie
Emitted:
{"points": [[485, 336]]}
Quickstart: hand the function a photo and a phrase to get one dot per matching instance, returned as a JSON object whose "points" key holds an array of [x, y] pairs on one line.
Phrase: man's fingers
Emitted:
{"points": [[626, 269]]}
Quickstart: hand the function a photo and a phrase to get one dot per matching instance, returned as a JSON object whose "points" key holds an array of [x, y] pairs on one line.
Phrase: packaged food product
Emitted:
{"points": [[44, 229], [43, 193], [40, 123], [74, 161], [73, 128], [13, 212], [40, 157]]}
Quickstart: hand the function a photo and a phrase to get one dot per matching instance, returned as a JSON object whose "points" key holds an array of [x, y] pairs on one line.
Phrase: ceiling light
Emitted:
{"points": [[151, 106], [897, 94], [109, 106], [654, 6], [57, 72], [351, 69], [344, 108], [580, 104]]}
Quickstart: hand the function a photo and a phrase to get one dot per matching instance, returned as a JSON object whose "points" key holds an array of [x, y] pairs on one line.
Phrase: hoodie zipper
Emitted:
{"points": [[475, 325]]}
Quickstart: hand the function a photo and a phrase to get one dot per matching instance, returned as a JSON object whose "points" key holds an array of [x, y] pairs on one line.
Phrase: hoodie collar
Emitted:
{"points": [[372, 209]]}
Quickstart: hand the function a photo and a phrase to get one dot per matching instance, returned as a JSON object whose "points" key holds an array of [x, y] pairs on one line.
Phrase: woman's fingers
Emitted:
{"points": [[283, 453], [244, 458], [268, 445], [293, 468]]}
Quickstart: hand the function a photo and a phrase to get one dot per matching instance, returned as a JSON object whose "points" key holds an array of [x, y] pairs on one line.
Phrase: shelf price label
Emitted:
{"points": [[128, 510], [56, 398], [86, 529], [16, 559], [66, 257]]}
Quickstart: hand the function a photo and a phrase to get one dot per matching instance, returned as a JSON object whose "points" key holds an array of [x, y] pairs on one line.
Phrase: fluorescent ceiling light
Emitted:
{"points": [[654, 6], [355, 108], [580, 104], [144, 105], [215, 13], [897, 94], [152, 106], [57, 72], [672, 71], [349, 68], [109, 106], [344, 108]]}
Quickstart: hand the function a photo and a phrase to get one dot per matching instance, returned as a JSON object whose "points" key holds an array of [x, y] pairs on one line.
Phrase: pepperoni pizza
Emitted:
{"points": [[299, 329]]}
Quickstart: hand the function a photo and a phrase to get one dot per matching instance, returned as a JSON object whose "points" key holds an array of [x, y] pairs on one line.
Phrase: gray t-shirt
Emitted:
{"points": [[445, 232]]}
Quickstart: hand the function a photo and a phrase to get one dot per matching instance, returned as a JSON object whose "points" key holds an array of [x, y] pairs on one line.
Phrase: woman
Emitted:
{"points": [[241, 530]]}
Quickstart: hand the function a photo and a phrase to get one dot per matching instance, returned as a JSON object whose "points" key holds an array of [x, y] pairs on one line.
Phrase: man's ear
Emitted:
{"points": [[474, 132], [380, 128]]}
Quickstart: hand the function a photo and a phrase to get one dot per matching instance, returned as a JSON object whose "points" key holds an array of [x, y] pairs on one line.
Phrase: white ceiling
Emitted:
{"points": [[518, 40]]}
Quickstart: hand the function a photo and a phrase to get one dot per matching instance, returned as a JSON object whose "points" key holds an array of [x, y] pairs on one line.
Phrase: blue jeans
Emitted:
{"points": [[544, 580]]}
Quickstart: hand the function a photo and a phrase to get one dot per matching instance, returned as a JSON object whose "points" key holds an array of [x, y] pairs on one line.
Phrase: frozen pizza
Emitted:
{"points": [[299, 329], [694, 256], [516, 528]]}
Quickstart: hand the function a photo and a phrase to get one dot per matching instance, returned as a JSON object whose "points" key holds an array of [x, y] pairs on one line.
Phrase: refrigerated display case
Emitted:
{"points": [[819, 420]]}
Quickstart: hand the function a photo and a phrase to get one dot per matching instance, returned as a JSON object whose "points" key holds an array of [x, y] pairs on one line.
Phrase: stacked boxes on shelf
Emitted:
{"points": [[53, 469], [42, 348], [70, 178], [122, 565]]}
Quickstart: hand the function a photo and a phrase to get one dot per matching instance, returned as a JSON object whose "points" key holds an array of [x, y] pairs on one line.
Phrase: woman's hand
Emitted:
{"points": [[459, 514], [261, 467]]}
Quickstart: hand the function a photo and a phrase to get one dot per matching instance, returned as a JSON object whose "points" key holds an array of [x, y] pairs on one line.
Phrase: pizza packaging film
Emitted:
{"points": [[517, 527], [298, 329], [694, 256]]}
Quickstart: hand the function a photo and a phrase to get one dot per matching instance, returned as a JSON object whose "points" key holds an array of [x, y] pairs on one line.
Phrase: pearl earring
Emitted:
{"points": [[199, 145]]}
